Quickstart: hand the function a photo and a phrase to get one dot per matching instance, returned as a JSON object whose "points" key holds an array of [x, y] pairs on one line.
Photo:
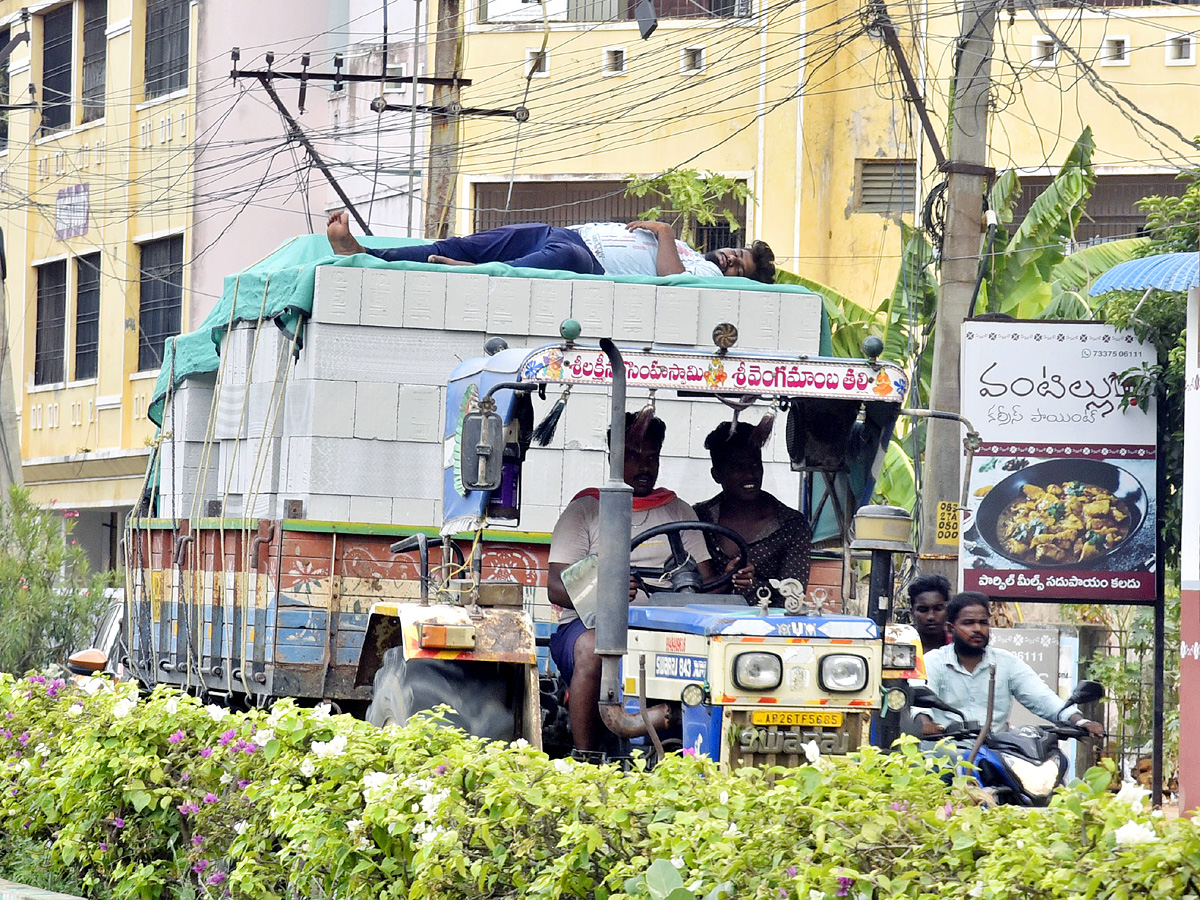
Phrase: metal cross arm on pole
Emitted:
{"points": [[520, 113], [340, 77]]}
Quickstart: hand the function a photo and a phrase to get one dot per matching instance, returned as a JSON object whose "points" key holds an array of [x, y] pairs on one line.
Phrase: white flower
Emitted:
{"points": [[240, 827], [1134, 794], [724, 797], [308, 768], [172, 704], [976, 891], [563, 766], [520, 743], [42, 749], [216, 713], [732, 829], [95, 684], [1132, 833], [811, 752], [432, 802], [335, 746], [263, 736], [226, 778], [816, 895], [677, 862], [354, 826], [74, 709], [320, 711], [123, 707]]}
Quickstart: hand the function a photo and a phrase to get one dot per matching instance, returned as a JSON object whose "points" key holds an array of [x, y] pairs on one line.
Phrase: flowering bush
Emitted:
{"points": [[111, 795]]}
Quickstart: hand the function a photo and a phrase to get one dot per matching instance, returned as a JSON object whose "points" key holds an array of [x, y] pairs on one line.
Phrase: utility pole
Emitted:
{"points": [[443, 129], [967, 171]]}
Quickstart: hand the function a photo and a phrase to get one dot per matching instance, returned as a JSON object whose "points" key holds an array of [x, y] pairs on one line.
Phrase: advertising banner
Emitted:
{"points": [[1061, 493]]}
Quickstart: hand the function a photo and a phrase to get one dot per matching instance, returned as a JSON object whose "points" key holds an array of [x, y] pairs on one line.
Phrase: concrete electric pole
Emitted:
{"points": [[443, 129], [968, 174]]}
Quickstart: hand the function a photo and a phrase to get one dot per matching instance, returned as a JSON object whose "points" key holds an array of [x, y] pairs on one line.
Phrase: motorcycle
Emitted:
{"points": [[1020, 766]]}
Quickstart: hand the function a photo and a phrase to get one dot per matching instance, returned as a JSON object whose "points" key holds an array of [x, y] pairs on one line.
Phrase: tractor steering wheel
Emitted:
{"points": [[676, 569]]}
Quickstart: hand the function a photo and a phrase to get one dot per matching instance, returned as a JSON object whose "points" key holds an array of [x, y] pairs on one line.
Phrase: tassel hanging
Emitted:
{"points": [[543, 434], [762, 431]]}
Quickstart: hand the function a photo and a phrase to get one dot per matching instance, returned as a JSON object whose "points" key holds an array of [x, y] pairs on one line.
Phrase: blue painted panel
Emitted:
{"points": [[702, 729]]}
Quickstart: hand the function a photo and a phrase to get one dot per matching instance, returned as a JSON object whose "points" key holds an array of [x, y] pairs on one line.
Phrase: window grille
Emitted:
{"points": [[57, 75], [87, 316], [95, 51], [160, 311], [51, 322], [167, 27]]}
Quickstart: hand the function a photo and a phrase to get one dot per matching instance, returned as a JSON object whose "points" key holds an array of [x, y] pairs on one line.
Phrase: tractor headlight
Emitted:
{"points": [[693, 694], [899, 656], [1038, 780], [896, 699], [843, 672], [757, 671]]}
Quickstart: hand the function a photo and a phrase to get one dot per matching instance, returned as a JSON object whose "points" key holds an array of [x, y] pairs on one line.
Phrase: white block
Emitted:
{"points": [[373, 510], [585, 421], [419, 413], [230, 417], [320, 408], [367, 468], [188, 407], [582, 469], [358, 353], [508, 305], [676, 315], [260, 506], [677, 416], [467, 302], [633, 312], [425, 300], [337, 294], [383, 298], [716, 307], [592, 306], [758, 328], [259, 466], [541, 479], [375, 411], [325, 507], [264, 409], [549, 304], [268, 352], [539, 518], [705, 417], [800, 324], [415, 511]]}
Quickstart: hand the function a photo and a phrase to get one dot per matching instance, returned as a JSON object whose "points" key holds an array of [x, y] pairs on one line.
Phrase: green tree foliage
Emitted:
{"points": [[1161, 318], [689, 198], [48, 599]]}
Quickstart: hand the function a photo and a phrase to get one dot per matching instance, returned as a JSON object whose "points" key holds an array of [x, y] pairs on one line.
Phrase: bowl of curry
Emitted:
{"points": [[1062, 513]]}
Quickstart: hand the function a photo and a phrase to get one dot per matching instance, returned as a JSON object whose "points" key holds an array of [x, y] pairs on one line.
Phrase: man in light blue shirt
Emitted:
{"points": [[959, 673]]}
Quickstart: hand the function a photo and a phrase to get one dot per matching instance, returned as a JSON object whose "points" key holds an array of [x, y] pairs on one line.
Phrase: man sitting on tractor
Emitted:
{"points": [[577, 534]]}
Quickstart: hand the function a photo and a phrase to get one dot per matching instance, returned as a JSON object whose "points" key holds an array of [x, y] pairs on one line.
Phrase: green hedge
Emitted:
{"points": [[106, 794]]}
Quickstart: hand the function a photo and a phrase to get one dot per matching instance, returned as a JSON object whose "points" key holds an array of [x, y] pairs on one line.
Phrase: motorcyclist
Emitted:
{"points": [[959, 673]]}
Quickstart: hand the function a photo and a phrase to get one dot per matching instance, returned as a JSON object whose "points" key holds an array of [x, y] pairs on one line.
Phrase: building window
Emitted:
{"points": [[613, 61], [886, 186], [87, 316], [4, 94], [95, 53], [1112, 211], [537, 63], [1181, 50], [564, 203], [57, 75], [167, 27], [691, 60], [160, 311], [531, 11], [51, 323], [1115, 51], [1044, 52]]}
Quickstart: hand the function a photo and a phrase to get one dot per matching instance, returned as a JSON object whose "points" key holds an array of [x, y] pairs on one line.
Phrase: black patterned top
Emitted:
{"points": [[781, 548]]}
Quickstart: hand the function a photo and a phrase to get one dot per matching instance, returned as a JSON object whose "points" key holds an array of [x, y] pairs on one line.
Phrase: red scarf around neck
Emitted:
{"points": [[656, 498]]}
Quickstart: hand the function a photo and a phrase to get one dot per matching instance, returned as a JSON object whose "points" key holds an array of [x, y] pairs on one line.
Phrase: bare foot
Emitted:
{"points": [[337, 229], [447, 261]]}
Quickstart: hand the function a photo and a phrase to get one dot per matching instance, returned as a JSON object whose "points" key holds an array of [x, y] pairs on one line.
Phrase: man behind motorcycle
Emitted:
{"points": [[960, 671]]}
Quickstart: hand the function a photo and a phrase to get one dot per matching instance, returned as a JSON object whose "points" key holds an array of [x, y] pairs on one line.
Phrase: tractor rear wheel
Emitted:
{"points": [[485, 697]]}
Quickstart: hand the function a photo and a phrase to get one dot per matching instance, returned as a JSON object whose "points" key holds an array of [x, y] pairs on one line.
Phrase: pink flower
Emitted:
{"points": [[118, 822], [440, 770], [210, 797], [206, 752], [176, 737], [227, 738], [189, 808], [200, 866], [197, 840], [689, 751], [215, 878]]}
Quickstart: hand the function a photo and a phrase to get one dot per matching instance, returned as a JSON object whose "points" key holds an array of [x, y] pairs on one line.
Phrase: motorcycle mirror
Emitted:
{"points": [[1086, 692], [923, 696]]}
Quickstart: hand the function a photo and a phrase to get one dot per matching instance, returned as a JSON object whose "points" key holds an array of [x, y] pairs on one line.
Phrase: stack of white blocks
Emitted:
{"points": [[353, 431]]}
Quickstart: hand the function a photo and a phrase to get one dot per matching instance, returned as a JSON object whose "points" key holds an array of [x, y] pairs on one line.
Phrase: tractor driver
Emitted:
{"points": [[577, 534]]}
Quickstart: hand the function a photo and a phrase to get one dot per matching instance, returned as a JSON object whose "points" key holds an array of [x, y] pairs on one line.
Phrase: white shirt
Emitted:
{"points": [[578, 533], [624, 252]]}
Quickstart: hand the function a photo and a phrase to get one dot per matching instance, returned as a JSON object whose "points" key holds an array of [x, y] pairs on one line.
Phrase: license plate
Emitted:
{"points": [[795, 717]]}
